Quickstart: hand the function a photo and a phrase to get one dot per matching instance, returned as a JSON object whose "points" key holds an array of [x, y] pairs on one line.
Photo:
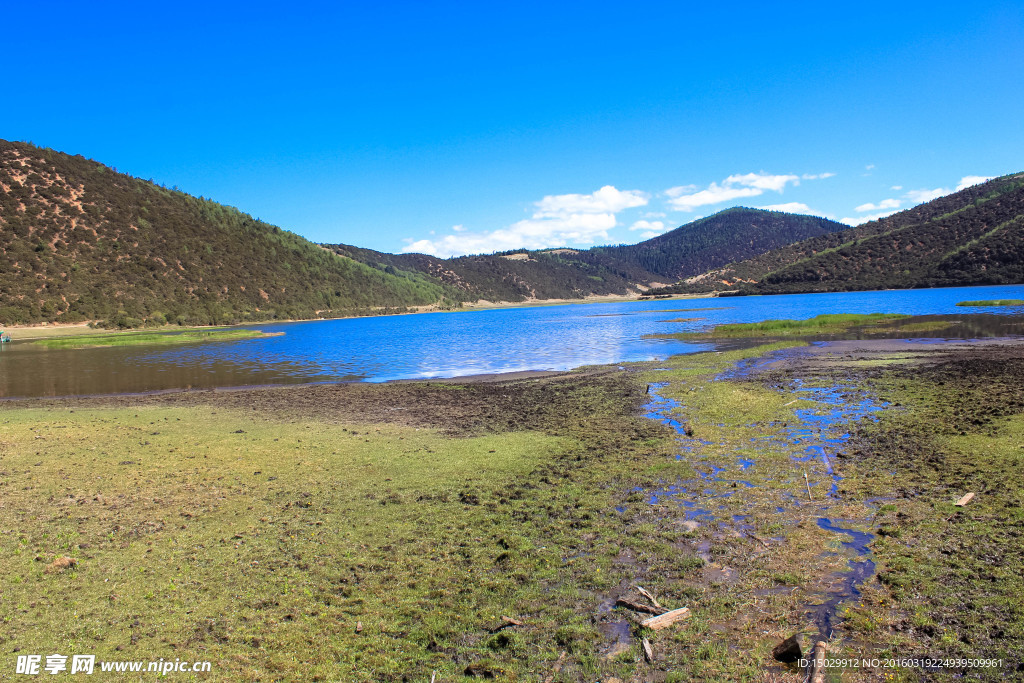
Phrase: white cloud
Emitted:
{"points": [[763, 181], [883, 205], [715, 194], [896, 188], [606, 200], [817, 176], [650, 228], [680, 190], [922, 196], [794, 207], [457, 228], [887, 207], [926, 195], [687, 197], [559, 220], [864, 219], [869, 167], [969, 180]]}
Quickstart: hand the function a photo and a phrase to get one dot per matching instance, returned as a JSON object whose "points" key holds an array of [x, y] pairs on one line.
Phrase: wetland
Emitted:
{"points": [[501, 526]]}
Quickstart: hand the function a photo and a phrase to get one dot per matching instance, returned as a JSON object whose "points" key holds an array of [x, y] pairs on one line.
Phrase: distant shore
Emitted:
{"points": [[56, 329]]}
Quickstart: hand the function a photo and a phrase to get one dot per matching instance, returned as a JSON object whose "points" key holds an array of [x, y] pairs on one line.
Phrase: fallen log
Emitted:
{"points": [[808, 485], [639, 607], [666, 619], [648, 651], [965, 500]]}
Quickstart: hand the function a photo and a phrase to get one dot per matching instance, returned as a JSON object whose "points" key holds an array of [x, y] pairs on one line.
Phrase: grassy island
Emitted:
{"points": [[150, 337], [993, 302]]}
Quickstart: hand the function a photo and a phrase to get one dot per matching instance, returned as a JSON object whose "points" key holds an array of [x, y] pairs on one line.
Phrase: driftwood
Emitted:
{"points": [[808, 485], [359, 627], [647, 594], [818, 665], [506, 622], [648, 650], [666, 619], [639, 607], [965, 500]]}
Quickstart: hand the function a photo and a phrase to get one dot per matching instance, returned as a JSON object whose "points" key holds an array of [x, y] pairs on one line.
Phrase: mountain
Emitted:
{"points": [[727, 236], [971, 237], [517, 275], [572, 273], [79, 241]]}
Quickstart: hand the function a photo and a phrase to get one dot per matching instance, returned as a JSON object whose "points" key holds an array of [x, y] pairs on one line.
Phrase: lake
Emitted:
{"points": [[442, 345]]}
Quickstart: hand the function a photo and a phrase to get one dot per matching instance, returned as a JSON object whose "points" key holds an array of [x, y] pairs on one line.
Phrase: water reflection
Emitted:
{"points": [[456, 344]]}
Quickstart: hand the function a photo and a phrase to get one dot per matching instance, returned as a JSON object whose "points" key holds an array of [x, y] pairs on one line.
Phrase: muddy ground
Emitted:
{"points": [[459, 407]]}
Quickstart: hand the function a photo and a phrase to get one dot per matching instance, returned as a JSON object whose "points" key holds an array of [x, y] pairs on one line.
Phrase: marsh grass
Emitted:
{"points": [[993, 302], [828, 323], [949, 578], [149, 338], [745, 597]]}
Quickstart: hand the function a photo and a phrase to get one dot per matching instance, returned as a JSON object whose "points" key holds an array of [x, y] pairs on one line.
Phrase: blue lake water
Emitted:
{"points": [[444, 344]]}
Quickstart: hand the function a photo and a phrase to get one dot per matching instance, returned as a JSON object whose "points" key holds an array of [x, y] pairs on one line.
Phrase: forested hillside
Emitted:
{"points": [[571, 273], [971, 237], [518, 275], [79, 241], [727, 236]]}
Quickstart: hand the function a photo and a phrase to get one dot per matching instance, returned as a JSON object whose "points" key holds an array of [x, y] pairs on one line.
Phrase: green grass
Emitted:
{"points": [[259, 543], [993, 302], [140, 338], [949, 579], [829, 323]]}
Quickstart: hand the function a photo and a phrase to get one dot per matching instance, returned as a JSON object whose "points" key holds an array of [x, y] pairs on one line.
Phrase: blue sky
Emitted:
{"points": [[465, 127]]}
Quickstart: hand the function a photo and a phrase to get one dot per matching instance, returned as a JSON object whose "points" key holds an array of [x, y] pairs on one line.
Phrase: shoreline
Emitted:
{"points": [[814, 354], [57, 329]]}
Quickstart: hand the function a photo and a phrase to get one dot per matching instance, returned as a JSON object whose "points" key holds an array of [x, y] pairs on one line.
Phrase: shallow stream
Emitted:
{"points": [[822, 428]]}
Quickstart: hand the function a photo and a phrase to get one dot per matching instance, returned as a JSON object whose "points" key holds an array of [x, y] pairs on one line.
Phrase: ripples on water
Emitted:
{"points": [[441, 344]]}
